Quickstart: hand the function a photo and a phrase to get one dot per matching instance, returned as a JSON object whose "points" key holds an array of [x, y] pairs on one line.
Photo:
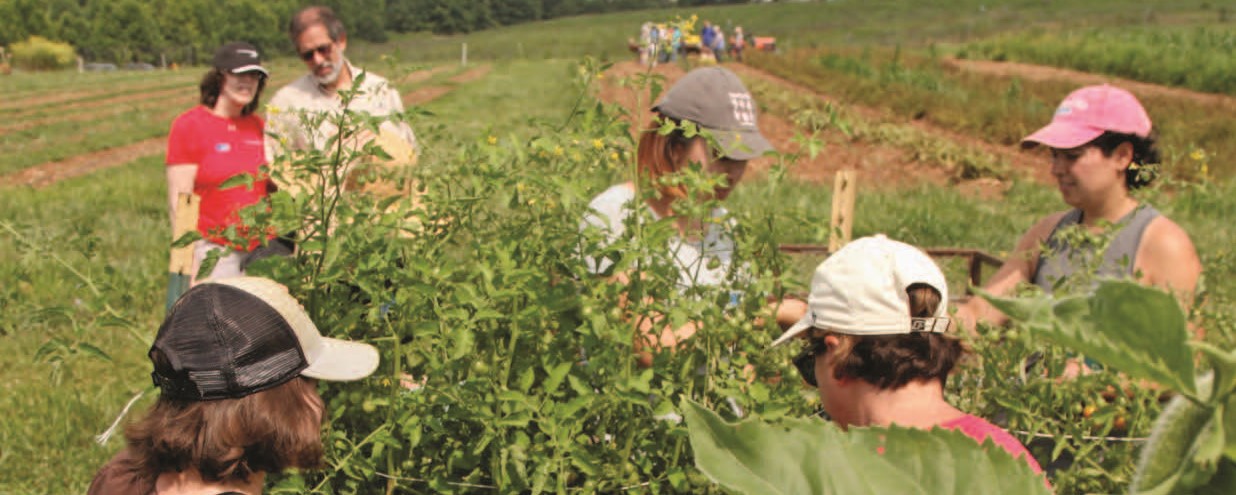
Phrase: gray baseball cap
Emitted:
{"points": [[715, 99]]}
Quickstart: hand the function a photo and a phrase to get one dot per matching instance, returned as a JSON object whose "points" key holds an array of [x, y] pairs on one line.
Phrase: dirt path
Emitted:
{"points": [[179, 99], [52, 172], [877, 165], [1040, 72], [1026, 164], [19, 103], [424, 75], [426, 94], [187, 92], [472, 74]]}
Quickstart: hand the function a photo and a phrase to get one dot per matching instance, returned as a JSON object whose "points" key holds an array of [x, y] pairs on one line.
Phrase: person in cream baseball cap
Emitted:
{"points": [[877, 342]]}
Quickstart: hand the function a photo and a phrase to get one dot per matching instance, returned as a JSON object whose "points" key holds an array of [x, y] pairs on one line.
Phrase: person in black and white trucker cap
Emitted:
{"points": [[877, 343], [236, 363]]}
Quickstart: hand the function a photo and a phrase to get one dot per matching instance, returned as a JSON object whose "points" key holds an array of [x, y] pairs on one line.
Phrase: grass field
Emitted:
{"points": [[107, 231]]}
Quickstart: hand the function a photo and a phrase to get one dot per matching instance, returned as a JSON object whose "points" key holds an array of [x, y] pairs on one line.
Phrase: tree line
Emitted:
{"points": [[187, 31]]}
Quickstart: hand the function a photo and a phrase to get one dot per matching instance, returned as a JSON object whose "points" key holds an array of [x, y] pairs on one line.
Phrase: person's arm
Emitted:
{"points": [[179, 181], [1018, 268], [395, 103], [1167, 259]]}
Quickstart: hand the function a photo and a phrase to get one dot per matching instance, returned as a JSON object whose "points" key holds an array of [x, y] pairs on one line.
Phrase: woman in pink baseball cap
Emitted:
{"points": [[1102, 148]]}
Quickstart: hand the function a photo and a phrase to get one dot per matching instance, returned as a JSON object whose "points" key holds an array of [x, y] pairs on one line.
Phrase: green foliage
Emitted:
{"points": [[813, 456], [38, 53], [479, 291], [1141, 332]]}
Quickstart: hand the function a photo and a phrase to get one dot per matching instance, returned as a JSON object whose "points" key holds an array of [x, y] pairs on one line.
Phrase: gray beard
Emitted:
{"points": [[330, 79]]}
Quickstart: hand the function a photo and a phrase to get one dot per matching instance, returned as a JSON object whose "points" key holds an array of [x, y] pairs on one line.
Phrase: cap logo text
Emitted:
{"points": [[248, 53], [744, 109]]}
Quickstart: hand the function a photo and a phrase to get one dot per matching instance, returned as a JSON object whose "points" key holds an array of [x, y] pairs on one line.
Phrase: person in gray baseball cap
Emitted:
{"points": [[714, 101]]}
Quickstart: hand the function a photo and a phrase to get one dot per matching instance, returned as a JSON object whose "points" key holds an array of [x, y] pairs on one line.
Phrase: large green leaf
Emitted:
{"points": [[813, 456], [1138, 330]]}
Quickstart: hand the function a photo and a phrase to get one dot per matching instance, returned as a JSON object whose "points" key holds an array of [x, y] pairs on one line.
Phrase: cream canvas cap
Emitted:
{"points": [[861, 290]]}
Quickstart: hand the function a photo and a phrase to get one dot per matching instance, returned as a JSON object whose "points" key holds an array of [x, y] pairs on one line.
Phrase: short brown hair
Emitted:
{"points": [[212, 85], [316, 15], [660, 155], [892, 361], [273, 430]]}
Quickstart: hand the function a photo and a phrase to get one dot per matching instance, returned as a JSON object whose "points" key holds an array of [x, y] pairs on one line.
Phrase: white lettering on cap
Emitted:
{"points": [[744, 109], [247, 52]]}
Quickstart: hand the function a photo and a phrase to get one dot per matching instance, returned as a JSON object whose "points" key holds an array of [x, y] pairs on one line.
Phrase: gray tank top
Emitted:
{"points": [[1060, 259]]}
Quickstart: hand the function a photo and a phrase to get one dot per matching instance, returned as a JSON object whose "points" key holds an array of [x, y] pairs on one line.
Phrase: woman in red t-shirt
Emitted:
{"points": [[214, 142]]}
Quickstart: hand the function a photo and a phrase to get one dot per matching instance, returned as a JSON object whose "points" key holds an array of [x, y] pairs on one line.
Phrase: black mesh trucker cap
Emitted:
{"points": [[233, 337], [715, 99], [239, 57]]}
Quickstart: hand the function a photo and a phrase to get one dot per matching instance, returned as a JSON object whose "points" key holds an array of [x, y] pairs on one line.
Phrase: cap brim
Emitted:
{"points": [[250, 68], [742, 145], [342, 361], [1062, 135], [794, 331]]}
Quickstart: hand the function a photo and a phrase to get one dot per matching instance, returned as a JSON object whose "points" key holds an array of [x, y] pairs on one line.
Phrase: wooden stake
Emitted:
{"points": [[187, 206], [844, 191]]}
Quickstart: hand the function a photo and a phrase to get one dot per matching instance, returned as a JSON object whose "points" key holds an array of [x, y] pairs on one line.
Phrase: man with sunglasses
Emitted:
{"points": [[876, 344], [321, 40]]}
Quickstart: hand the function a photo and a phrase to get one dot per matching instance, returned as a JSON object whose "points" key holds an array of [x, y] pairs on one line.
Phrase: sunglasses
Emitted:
{"points": [[805, 360], [323, 50]]}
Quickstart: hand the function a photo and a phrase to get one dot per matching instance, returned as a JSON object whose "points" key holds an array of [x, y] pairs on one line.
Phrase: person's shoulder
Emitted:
{"points": [[616, 196], [294, 91], [189, 118], [1167, 240], [1041, 230], [371, 78]]}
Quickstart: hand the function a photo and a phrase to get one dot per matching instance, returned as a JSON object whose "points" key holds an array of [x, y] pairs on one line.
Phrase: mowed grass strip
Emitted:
{"points": [[41, 104], [100, 108], [58, 141]]}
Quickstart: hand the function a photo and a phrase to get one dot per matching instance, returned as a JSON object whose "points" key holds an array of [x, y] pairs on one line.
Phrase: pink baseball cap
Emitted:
{"points": [[1087, 113]]}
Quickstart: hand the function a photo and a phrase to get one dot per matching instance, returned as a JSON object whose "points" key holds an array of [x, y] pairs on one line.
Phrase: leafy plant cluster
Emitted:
{"points": [[38, 53], [507, 364]]}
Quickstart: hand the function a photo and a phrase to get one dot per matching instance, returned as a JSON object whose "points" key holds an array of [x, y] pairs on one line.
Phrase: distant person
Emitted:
{"points": [[714, 99], [236, 362], [214, 141], [645, 42], [718, 43], [877, 345], [675, 43], [707, 39], [321, 41], [1102, 147], [654, 44], [739, 43]]}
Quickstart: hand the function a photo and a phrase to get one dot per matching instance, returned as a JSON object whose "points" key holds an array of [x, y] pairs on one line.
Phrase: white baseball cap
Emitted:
{"points": [[861, 290]]}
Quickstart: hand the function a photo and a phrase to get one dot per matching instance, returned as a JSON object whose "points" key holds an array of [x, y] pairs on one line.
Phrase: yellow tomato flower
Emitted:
{"points": [[493, 140], [598, 144]]}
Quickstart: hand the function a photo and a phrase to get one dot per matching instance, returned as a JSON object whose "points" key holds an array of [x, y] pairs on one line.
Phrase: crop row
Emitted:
{"points": [[1200, 58], [998, 109]]}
